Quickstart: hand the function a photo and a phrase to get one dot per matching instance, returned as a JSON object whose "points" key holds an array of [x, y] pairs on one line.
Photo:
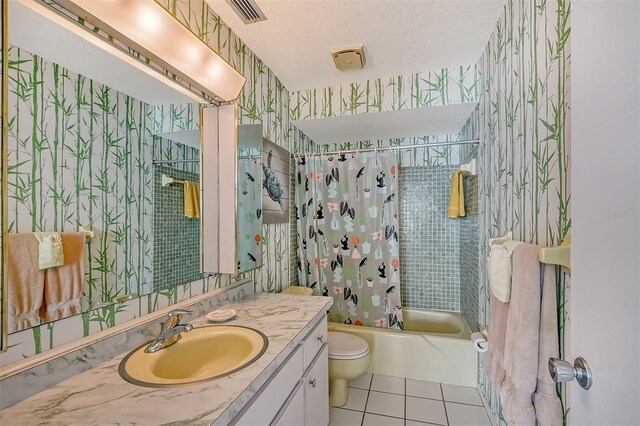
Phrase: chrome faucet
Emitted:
{"points": [[170, 331]]}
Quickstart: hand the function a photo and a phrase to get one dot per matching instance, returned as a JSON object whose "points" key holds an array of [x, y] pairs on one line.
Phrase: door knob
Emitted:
{"points": [[563, 371]]}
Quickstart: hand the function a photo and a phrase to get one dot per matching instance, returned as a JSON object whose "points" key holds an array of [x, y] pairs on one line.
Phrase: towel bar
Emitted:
{"points": [[560, 255], [88, 231], [469, 168], [168, 180]]}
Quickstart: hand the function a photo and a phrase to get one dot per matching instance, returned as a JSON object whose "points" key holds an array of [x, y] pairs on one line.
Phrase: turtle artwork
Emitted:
{"points": [[276, 162], [271, 182]]}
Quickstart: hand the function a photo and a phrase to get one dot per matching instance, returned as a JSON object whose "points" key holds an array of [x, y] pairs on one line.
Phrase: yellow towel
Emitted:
{"points": [[63, 286], [50, 252], [456, 199], [191, 199]]}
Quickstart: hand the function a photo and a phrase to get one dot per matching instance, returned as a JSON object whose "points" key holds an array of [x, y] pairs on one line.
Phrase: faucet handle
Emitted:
{"points": [[178, 313], [172, 318]]}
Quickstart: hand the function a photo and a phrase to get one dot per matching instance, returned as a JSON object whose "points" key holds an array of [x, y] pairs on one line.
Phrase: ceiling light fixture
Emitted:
{"points": [[151, 30]]}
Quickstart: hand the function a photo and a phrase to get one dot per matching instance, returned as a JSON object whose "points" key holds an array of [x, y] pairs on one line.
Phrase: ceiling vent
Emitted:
{"points": [[247, 10], [349, 58]]}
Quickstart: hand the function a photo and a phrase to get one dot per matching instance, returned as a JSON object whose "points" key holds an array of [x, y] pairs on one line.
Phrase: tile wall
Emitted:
{"points": [[429, 241], [469, 255], [177, 238]]}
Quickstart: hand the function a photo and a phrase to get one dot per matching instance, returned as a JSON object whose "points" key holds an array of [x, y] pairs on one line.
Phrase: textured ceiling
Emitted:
{"points": [[439, 120], [399, 36]]}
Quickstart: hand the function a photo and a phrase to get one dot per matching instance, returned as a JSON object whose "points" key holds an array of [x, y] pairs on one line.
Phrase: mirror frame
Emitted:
{"points": [[219, 127], [159, 66], [4, 337]]}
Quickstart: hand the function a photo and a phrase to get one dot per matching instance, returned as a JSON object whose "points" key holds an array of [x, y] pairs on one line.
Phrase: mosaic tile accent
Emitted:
{"points": [[469, 255], [177, 238], [429, 241]]}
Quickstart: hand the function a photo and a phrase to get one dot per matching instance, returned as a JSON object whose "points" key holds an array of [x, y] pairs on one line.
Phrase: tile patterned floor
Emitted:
{"points": [[390, 401]]}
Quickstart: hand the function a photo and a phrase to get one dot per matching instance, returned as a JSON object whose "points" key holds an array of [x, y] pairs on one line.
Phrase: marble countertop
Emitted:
{"points": [[100, 396]]}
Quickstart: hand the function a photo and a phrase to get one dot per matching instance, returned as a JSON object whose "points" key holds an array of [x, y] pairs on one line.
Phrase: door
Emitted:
{"points": [[605, 134], [316, 392]]}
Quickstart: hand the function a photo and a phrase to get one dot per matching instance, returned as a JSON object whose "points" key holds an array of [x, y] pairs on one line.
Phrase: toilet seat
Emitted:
{"points": [[344, 346]]}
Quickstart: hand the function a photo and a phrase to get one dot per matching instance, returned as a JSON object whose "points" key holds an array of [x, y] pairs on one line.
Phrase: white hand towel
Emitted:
{"points": [[500, 268]]}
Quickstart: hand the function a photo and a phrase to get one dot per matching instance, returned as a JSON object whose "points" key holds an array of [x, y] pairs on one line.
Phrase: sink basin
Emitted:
{"points": [[202, 354]]}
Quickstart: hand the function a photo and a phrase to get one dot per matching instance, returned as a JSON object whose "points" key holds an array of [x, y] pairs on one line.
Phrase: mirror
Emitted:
{"points": [[92, 133], [231, 228], [249, 192]]}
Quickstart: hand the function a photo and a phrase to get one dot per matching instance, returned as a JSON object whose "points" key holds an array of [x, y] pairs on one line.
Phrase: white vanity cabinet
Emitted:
{"points": [[298, 392], [316, 390]]}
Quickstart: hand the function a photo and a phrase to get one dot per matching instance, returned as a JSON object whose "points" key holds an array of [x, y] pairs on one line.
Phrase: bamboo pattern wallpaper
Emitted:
{"points": [[80, 154], [524, 125], [3, 141], [422, 89], [263, 95]]}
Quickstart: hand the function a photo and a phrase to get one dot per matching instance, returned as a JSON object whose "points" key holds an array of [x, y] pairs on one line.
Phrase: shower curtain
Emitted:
{"points": [[347, 224]]}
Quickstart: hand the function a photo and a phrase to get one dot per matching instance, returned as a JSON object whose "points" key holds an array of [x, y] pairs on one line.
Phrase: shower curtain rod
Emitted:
{"points": [[422, 145]]}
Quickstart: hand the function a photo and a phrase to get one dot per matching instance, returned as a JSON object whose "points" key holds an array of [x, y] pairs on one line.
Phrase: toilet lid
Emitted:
{"points": [[346, 346]]}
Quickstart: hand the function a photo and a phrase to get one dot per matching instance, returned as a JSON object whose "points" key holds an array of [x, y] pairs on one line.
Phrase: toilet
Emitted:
{"points": [[348, 358]]}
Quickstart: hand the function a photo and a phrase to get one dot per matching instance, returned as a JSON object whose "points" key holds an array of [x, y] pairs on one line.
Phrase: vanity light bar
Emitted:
{"points": [[155, 33], [64, 22]]}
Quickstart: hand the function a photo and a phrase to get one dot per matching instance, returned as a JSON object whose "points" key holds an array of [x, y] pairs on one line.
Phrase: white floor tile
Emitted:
{"points": [[426, 410], [376, 420], [467, 415], [386, 404], [363, 381], [414, 423], [357, 399], [388, 384], [424, 389], [461, 394], [340, 417]]}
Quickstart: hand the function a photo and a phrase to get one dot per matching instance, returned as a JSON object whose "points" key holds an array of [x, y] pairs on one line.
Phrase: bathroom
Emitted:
{"points": [[232, 228]]}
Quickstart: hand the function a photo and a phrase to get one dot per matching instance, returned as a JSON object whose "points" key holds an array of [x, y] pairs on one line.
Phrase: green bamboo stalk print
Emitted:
{"points": [[35, 147], [63, 172]]}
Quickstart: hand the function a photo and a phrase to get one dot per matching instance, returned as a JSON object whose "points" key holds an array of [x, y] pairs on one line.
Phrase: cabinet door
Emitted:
{"points": [[265, 405], [293, 414], [316, 383]]}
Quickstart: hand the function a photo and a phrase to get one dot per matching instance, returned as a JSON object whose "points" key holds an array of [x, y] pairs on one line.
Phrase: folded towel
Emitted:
{"points": [[456, 198], [500, 267], [63, 285], [191, 199], [25, 282], [497, 328], [546, 399], [522, 338], [50, 249]]}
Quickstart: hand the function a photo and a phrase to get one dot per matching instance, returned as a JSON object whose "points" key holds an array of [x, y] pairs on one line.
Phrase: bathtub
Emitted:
{"points": [[434, 346]]}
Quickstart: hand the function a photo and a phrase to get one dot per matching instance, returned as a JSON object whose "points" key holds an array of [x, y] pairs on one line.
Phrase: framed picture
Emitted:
{"points": [[275, 183]]}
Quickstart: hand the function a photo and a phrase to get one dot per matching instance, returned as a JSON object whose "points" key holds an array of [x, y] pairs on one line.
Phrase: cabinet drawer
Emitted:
{"points": [[314, 341], [267, 402], [316, 390]]}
